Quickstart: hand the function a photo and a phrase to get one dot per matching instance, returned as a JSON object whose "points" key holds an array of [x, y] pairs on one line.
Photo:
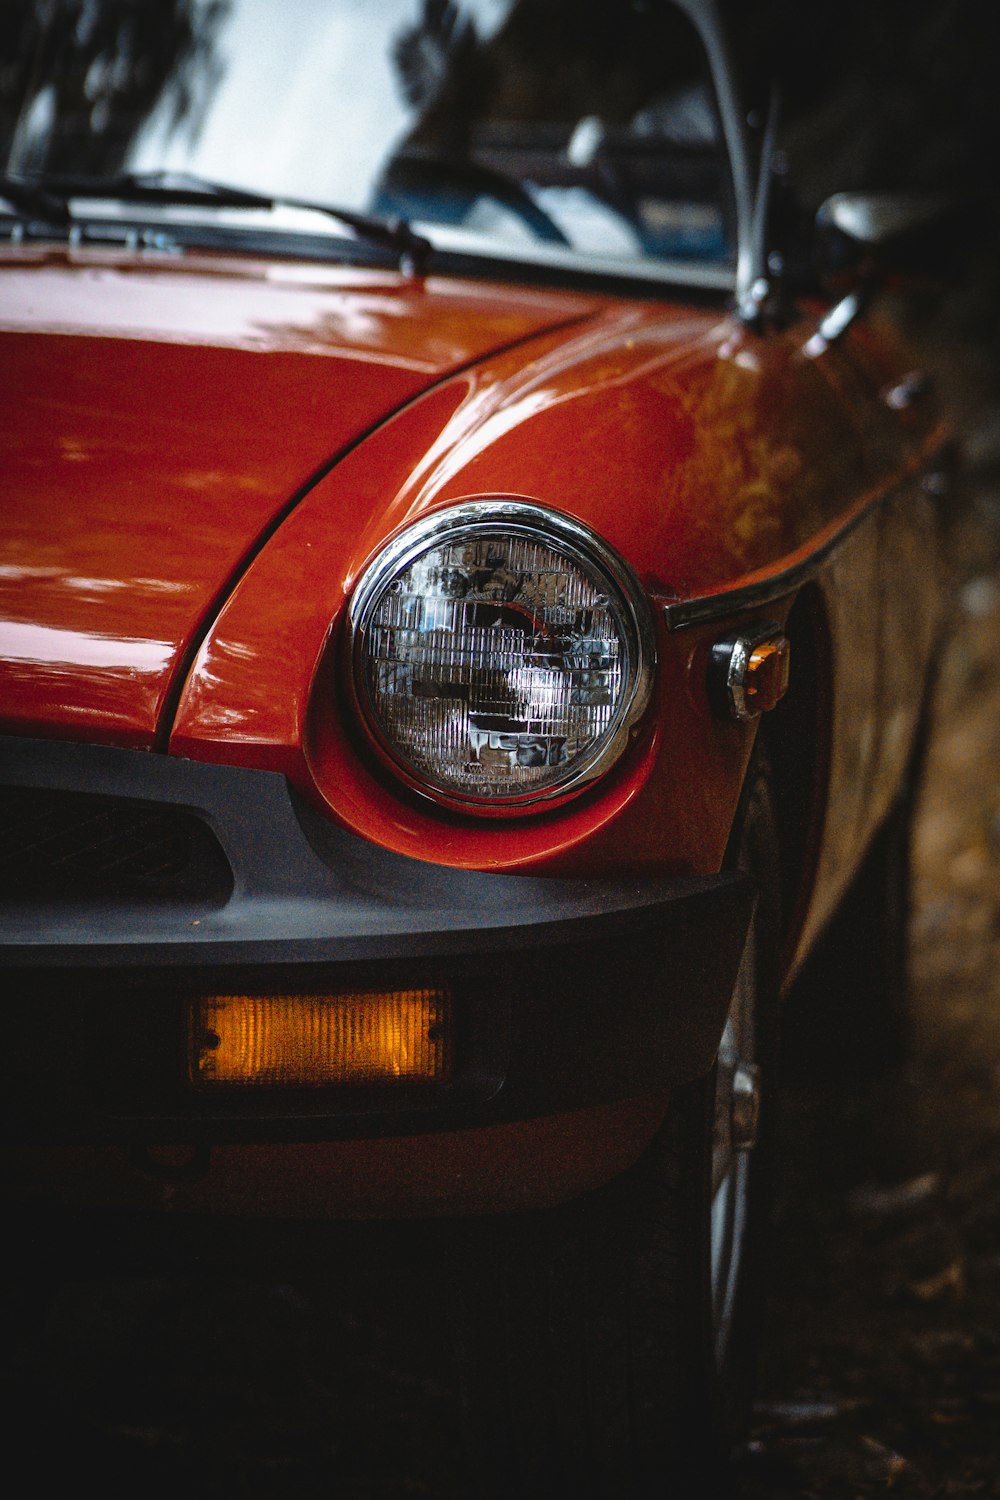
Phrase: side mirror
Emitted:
{"points": [[862, 237]]}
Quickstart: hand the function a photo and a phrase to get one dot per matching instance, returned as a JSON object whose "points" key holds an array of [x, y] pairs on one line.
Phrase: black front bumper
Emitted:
{"points": [[566, 993]]}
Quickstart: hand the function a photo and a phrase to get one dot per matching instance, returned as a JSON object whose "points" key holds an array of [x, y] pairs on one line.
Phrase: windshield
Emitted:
{"points": [[575, 132]]}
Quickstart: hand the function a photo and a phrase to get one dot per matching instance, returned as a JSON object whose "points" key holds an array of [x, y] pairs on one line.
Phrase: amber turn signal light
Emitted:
{"points": [[316, 1041], [748, 674], [766, 680]]}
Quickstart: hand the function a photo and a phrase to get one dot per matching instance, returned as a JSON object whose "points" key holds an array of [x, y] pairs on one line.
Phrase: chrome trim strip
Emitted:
{"points": [[724, 604]]}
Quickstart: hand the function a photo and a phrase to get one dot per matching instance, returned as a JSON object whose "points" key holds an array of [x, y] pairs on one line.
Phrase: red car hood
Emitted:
{"points": [[159, 420]]}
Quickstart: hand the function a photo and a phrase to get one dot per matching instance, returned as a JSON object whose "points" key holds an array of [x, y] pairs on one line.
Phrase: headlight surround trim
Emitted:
{"points": [[584, 551]]}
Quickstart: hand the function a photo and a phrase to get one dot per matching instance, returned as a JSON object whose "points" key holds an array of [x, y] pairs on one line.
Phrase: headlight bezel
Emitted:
{"points": [[583, 548]]}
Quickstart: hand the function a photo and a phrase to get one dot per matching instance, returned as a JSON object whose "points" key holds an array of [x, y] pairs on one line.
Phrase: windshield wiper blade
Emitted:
{"points": [[49, 196], [34, 201]]}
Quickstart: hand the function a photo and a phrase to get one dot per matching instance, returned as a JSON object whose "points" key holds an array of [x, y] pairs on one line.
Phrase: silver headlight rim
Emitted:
{"points": [[509, 514]]}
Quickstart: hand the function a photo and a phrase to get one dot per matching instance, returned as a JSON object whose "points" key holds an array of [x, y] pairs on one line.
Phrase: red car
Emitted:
{"points": [[456, 652]]}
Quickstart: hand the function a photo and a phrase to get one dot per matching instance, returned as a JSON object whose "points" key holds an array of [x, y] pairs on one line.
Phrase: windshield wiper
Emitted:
{"points": [[47, 198], [32, 199]]}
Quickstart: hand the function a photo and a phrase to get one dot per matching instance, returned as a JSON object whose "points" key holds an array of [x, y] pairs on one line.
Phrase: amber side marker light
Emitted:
{"points": [[767, 675], [315, 1041], [748, 674]]}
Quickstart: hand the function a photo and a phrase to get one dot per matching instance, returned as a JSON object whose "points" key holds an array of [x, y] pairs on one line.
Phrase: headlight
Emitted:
{"points": [[501, 653]]}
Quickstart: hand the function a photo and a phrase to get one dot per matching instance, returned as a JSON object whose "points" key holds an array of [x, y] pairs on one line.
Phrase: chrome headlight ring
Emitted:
{"points": [[501, 654]]}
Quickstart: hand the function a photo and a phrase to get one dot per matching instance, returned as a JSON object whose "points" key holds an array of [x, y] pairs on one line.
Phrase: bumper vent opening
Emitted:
{"points": [[81, 847]]}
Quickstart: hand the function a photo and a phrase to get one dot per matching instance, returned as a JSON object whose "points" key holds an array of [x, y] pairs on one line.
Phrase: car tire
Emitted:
{"points": [[851, 1004], [608, 1346]]}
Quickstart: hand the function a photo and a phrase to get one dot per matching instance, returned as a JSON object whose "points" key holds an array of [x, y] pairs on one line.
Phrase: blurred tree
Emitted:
{"points": [[78, 77]]}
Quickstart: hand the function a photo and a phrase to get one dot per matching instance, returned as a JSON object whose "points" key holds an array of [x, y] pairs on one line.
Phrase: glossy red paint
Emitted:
{"points": [[159, 418], [708, 455], [210, 393]]}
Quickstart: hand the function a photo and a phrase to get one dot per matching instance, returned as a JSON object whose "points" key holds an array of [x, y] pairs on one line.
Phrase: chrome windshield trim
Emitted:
{"points": [[704, 15], [706, 276], [136, 226]]}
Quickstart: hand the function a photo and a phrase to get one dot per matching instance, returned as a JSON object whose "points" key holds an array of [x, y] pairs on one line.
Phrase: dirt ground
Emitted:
{"points": [[881, 1369]]}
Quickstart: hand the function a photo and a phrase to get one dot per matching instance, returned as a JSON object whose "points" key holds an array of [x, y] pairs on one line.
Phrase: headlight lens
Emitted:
{"points": [[501, 653]]}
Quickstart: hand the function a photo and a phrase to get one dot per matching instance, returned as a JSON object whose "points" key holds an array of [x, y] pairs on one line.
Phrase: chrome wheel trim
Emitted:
{"points": [[734, 1128]]}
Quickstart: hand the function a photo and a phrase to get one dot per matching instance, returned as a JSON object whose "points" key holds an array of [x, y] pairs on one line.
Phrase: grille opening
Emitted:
{"points": [[81, 846]]}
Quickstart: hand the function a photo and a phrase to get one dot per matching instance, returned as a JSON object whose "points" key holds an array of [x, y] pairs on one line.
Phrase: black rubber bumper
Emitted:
{"points": [[565, 993]]}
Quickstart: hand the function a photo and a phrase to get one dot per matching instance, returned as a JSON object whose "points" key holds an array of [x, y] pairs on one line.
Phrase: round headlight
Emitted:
{"points": [[501, 653]]}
